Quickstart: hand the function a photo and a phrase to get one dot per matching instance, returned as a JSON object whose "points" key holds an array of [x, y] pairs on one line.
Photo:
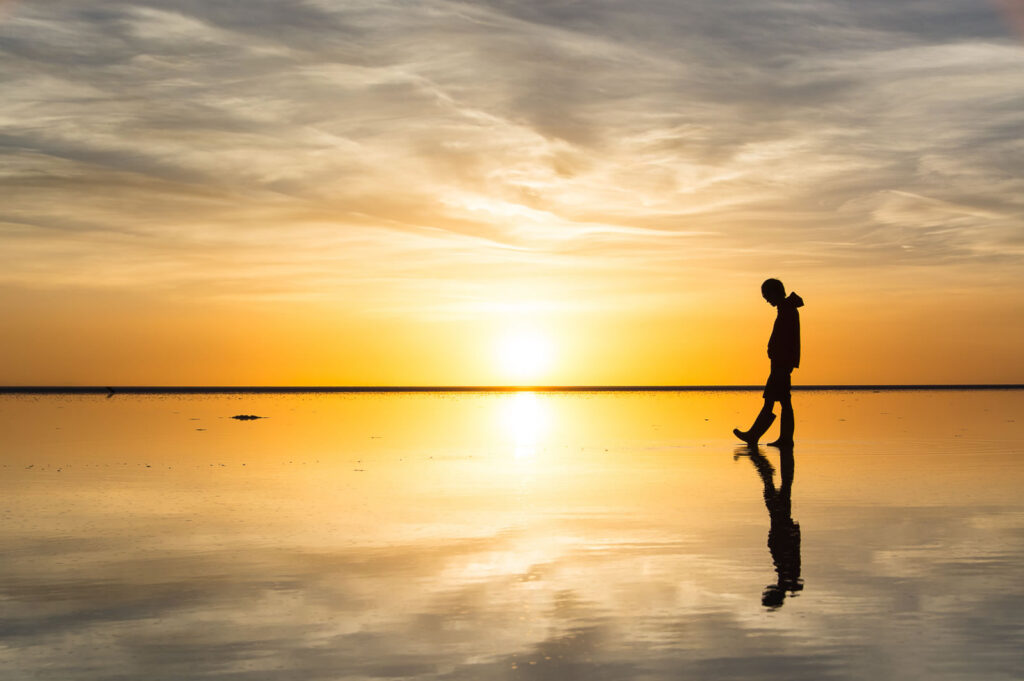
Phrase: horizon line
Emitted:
{"points": [[269, 389]]}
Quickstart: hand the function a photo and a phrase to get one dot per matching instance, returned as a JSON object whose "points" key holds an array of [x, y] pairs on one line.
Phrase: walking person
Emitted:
{"points": [[784, 355]]}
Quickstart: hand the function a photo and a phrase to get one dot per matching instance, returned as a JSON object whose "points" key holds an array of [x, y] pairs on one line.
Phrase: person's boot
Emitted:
{"points": [[764, 421], [786, 426]]}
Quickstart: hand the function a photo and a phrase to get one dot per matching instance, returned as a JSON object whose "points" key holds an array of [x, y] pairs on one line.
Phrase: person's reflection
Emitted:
{"points": [[784, 532]]}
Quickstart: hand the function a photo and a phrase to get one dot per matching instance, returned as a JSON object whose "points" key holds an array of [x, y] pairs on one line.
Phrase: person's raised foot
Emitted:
{"points": [[750, 437], [761, 424], [744, 435]]}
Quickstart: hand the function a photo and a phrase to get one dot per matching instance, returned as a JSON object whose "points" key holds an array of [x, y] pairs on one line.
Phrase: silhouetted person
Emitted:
{"points": [[784, 355], [784, 532]]}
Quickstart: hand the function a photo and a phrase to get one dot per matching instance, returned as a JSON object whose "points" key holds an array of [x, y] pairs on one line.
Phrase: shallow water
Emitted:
{"points": [[506, 536]]}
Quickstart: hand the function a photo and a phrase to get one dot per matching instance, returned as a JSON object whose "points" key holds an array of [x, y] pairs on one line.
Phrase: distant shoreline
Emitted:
{"points": [[158, 390]]}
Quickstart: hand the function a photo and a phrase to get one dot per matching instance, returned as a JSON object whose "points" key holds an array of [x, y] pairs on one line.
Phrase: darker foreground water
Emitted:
{"points": [[511, 536]]}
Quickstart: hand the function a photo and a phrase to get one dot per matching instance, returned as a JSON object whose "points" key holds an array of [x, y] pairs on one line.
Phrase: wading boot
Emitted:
{"points": [[764, 421], [786, 425]]}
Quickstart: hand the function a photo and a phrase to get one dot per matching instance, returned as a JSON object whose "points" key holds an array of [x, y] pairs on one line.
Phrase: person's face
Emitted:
{"points": [[771, 296]]}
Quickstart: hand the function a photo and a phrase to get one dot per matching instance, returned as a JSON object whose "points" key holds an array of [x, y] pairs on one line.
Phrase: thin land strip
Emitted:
{"points": [[154, 390]]}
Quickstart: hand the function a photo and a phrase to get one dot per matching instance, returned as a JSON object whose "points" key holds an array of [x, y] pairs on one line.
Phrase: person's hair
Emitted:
{"points": [[773, 286]]}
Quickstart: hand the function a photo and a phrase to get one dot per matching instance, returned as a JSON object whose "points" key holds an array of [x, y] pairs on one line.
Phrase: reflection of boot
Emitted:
{"points": [[764, 421]]}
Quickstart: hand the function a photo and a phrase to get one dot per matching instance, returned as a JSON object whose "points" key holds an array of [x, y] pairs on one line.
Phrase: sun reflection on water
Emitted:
{"points": [[562, 535], [525, 418]]}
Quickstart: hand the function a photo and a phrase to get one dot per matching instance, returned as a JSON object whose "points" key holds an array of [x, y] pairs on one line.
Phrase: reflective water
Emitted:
{"points": [[506, 536]]}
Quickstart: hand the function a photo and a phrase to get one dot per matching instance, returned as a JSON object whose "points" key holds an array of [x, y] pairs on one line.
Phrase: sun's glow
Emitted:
{"points": [[524, 355]]}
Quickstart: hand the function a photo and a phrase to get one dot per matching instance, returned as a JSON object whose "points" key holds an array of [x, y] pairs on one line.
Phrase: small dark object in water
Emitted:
{"points": [[247, 417]]}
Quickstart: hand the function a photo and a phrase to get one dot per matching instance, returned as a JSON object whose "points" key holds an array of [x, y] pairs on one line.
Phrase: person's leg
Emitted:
{"points": [[764, 420], [786, 425]]}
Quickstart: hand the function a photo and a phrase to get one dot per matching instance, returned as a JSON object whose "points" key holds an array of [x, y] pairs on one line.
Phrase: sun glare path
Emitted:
{"points": [[525, 420]]}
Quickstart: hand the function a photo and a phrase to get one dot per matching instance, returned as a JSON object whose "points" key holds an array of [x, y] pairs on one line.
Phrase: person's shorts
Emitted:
{"points": [[779, 383]]}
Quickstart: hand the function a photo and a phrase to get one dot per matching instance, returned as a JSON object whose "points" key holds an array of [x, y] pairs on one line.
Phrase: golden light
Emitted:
{"points": [[525, 419], [524, 355]]}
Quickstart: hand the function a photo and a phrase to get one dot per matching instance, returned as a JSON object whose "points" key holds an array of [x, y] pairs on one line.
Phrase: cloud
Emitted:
{"points": [[305, 134], [594, 596]]}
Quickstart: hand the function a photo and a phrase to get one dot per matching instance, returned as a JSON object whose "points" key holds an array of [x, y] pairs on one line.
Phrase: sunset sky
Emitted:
{"points": [[213, 192]]}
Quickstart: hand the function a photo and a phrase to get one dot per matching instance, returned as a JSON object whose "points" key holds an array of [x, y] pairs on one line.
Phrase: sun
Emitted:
{"points": [[524, 355]]}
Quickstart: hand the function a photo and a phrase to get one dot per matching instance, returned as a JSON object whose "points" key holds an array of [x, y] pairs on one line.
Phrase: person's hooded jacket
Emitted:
{"points": [[784, 344]]}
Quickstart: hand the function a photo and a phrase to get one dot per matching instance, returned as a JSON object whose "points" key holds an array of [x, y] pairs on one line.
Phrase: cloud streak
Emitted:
{"points": [[575, 137]]}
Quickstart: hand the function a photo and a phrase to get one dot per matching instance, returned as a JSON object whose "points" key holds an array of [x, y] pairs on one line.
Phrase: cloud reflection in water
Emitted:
{"points": [[647, 561]]}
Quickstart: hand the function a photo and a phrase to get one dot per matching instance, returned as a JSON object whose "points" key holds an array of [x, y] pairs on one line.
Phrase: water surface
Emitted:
{"points": [[508, 536]]}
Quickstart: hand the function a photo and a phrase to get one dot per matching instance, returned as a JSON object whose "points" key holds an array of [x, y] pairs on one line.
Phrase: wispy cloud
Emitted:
{"points": [[310, 145]]}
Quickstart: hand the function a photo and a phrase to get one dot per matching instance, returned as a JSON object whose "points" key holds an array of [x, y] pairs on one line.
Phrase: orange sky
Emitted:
{"points": [[332, 193]]}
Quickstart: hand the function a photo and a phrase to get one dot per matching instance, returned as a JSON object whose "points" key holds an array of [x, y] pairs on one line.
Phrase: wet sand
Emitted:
{"points": [[499, 536]]}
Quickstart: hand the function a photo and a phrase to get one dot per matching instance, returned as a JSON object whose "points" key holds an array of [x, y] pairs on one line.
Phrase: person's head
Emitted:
{"points": [[773, 596], [773, 291]]}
